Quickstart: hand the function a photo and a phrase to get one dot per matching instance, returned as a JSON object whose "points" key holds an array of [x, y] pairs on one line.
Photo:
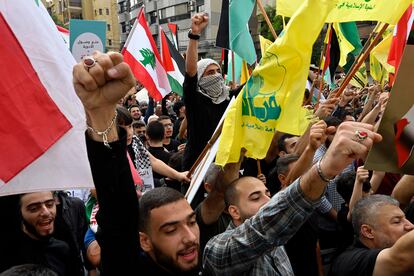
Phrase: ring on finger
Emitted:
{"points": [[360, 135], [89, 62]]}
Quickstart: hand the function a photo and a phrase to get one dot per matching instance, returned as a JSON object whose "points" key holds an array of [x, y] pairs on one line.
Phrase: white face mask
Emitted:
{"points": [[213, 87]]}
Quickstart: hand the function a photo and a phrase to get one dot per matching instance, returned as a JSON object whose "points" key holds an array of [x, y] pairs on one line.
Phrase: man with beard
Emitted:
{"points": [[169, 233], [33, 243], [205, 95], [99, 88], [384, 240]]}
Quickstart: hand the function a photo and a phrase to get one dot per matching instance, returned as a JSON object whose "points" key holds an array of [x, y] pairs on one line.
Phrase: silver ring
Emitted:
{"points": [[360, 135], [89, 62]]}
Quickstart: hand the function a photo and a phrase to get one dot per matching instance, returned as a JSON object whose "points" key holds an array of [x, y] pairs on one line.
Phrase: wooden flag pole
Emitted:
{"points": [[358, 62], [210, 143], [263, 11], [323, 53], [330, 29], [259, 167]]}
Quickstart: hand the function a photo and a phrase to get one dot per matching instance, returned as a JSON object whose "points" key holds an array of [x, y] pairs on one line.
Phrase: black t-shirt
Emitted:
{"points": [[358, 260], [301, 250], [203, 117], [172, 146], [210, 230], [163, 155]]}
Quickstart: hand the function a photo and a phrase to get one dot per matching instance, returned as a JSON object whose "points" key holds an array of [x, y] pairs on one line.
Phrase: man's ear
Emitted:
{"points": [[282, 179], [367, 231], [234, 212], [145, 242]]}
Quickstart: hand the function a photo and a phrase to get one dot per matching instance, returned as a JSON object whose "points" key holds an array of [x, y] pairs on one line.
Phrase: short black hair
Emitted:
{"points": [[155, 198], [29, 270], [155, 131], [281, 142], [231, 195], [138, 124], [282, 164], [332, 121], [133, 105], [177, 105], [345, 185], [124, 118], [163, 117]]}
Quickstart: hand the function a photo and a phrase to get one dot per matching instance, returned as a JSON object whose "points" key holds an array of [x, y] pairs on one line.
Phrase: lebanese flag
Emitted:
{"points": [[142, 55], [401, 33], [174, 64], [404, 137], [174, 28], [42, 121], [64, 33]]}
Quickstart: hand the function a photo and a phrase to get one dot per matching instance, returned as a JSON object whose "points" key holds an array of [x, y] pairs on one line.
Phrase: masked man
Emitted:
{"points": [[205, 95]]}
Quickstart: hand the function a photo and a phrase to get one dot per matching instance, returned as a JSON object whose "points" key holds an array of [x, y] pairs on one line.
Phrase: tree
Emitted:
{"points": [[277, 23], [57, 21]]}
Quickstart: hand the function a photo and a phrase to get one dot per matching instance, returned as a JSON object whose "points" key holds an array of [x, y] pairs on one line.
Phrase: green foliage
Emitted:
{"points": [[57, 21], [277, 23]]}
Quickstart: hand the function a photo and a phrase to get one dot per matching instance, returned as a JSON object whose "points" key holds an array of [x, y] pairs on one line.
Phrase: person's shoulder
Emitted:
{"points": [[355, 261]]}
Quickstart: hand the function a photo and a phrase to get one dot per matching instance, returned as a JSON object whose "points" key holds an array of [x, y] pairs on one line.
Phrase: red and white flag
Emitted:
{"points": [[174, 34], [65, 34], [401, 32], [42, 121], [142, 55]]}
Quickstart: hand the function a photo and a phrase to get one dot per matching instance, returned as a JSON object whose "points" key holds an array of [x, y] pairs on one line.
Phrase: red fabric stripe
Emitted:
{"points": [[142, 75], [398, 42], [173, 28], [166, 56], [403, 152], [30, 122]]}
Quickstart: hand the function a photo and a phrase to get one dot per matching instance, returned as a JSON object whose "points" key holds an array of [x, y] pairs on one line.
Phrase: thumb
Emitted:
{"points": [[330, 130]]}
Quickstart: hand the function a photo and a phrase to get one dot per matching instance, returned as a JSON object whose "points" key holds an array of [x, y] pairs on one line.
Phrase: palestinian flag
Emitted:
{"points": [[174, 64], [141, 53], [174, 29]]}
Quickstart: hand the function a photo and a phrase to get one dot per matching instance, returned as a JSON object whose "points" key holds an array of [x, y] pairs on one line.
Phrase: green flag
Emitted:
{"points": [[241, 41]]}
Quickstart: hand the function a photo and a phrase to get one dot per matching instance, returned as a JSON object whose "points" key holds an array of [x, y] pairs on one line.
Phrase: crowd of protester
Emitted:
{"points": [[309, 208]]}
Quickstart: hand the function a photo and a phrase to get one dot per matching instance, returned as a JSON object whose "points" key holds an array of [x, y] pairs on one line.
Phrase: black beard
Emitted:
{"points": [[168, 263], [31, 229]]}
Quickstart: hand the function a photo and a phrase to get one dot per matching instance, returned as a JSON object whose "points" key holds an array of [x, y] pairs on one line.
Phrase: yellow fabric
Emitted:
{"points": [[272, 98], [380, 52], [356, 10], [345, 46], [244, 72], [360, 79], [264, 44]]}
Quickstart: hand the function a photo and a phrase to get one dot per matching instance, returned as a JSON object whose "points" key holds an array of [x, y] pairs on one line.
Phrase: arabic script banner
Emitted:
{"points": [[353, 10]]}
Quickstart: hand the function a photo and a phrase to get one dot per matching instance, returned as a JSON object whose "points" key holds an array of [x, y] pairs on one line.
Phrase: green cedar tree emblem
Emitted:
{"points": [[148, 57]]}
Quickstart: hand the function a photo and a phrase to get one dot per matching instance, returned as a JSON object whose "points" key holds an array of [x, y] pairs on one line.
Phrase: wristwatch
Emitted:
{"points": [[193, 36]]}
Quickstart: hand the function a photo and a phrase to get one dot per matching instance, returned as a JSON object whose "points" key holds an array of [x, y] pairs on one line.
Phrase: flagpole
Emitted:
{"points": [[358, 62], [210, 143], [323, 53], [263, 11], [233, 77]]}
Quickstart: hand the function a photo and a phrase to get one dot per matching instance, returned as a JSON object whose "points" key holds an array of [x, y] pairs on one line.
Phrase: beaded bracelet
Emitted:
{"points": [[104, 133]]}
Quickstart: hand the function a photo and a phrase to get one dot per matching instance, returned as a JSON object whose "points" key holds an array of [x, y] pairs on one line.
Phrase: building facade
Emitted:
{"points": [[105, 10], [160, 12]]}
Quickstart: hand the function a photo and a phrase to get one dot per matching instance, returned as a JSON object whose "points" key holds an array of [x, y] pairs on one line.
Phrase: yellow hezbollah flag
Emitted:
{"points": [[380, 52], [264, 44], [272, 97], [387, 11], [360, 79], [244, 76]]}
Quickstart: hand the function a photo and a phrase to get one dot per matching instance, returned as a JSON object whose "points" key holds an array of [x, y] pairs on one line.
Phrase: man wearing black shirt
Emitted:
{"points": [[384, 240]]}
